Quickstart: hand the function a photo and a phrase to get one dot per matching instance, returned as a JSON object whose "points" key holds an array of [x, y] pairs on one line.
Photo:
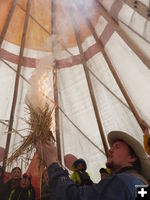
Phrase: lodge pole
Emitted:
{"points": [[55, 88], [12, 113]]}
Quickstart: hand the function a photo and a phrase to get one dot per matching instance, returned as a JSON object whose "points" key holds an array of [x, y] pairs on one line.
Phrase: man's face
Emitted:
{"points": [[16, 173], [119, 156]]}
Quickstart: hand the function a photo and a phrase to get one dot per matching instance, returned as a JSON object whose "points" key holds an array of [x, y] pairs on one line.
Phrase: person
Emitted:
{"points": [[79, 175], [45, 193], [25, 191], [127, 160], [12, 184], [104, 173]]}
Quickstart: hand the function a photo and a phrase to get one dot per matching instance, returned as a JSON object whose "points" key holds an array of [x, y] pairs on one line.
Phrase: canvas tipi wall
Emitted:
{"points": [[102, 63]]}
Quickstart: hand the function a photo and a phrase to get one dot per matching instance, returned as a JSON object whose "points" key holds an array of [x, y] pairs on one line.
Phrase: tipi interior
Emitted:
{"points": [[91, 57]]}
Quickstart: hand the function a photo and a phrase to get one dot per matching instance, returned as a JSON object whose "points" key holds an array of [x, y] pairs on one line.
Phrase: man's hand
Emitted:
{"points": [[144, 126], [46, 152]]}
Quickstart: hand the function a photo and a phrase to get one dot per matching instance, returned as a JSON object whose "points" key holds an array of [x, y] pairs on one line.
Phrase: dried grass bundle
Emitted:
{"points": [[40, 122]]}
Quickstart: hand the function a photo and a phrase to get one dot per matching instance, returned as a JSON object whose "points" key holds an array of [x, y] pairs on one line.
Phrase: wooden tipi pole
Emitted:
{"points": [[112, 69], [93, 99], [55, 87], [2, 36], [123, 35], [11, 119]]}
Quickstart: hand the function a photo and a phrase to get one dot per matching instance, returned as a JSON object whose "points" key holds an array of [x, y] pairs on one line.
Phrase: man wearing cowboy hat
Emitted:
{"points": [[127, 160]]}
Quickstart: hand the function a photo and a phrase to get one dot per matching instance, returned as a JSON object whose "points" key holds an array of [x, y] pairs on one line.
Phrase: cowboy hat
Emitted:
{"points": [[136, 146]]}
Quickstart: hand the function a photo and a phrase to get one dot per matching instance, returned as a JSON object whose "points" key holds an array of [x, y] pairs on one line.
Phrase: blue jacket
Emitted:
{"points": [[120, 186]]}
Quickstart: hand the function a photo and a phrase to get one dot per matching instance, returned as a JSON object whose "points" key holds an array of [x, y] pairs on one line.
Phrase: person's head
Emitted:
{"points": [[16, 173], [79, 165], [119, 156], [103, 173], [45, 176], [25, 181], [126, 151]]}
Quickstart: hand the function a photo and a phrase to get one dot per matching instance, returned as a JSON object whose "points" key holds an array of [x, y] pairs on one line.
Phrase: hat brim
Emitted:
{"points": [[136, 146]]}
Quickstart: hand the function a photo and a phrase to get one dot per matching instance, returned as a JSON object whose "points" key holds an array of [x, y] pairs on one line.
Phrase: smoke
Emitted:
{"points": [[41, 84], [42, 78], [64, 27]]}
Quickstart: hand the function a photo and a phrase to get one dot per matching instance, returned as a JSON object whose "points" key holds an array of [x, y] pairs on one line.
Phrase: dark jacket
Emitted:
{"points": [[7, 188], [120, 186], [23, 194]]}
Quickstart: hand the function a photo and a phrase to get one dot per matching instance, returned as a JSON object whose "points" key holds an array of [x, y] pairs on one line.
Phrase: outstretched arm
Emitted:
{"points": [[61, 187]]}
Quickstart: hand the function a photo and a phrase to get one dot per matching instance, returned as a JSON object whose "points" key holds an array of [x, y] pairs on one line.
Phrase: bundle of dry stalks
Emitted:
{"points": [[40, 122]]}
